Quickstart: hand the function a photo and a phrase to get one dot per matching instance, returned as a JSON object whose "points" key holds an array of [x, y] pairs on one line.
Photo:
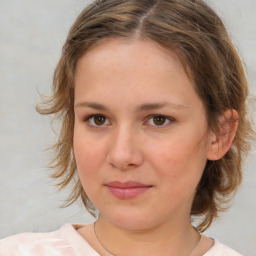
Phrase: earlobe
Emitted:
{"points": [[221, 139]]}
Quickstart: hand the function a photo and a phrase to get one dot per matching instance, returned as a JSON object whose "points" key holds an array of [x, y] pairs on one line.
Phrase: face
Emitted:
{"points": [[140, 136]]}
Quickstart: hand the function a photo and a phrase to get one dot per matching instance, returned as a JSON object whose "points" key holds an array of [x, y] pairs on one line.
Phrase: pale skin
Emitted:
{"points": [[150, 127]]}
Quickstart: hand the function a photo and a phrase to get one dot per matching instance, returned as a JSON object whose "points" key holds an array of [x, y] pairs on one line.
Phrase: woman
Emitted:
{"points": [[152, 98]]}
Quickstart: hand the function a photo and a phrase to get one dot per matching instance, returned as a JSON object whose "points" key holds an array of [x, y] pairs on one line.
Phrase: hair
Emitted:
{"points": [[197, 35]]}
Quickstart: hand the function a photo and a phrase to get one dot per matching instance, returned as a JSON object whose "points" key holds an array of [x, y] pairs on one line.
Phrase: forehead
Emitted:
{"points": [[136, 68], [143, 45], [129, 55]]}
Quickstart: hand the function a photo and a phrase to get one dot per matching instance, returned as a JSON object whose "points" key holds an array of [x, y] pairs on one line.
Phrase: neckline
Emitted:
{"points": [[80, 245], [77, 242]]}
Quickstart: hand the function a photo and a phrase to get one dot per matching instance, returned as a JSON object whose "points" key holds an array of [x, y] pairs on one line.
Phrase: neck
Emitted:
{"points": [[169, 239]]}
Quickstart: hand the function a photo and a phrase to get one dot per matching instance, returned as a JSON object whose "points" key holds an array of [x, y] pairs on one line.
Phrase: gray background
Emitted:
{"points": [[31, 37]]}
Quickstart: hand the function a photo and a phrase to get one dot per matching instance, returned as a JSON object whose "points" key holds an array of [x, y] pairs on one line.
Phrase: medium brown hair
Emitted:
{"points": [[196, 33]]}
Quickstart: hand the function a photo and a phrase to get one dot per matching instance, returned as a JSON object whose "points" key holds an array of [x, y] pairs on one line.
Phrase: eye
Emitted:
{"points": [[97, 120], [160, 120]]}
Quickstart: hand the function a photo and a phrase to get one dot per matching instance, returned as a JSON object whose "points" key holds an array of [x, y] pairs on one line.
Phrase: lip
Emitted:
{"points": [[128, 189]]}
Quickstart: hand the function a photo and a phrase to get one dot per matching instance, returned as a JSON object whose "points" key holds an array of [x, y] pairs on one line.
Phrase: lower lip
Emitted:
{"points": [[127, 193]]}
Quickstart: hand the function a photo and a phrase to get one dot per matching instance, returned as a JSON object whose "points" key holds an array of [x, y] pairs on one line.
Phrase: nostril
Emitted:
{"points": [[124, 152], [124, 161]]}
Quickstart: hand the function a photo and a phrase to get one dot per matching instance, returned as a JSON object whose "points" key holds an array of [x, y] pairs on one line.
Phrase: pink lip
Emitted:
{"points": [[127, 190]]}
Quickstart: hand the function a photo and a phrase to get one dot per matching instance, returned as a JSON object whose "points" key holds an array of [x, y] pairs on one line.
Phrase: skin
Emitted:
{"points": [[114, 80]]}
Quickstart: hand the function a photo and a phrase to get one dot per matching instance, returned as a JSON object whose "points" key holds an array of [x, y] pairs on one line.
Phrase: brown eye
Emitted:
{"points": [[99, 120], [159, 120]]}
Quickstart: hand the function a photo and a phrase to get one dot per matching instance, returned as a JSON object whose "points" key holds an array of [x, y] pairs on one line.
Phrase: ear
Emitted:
{"points": [[221, 140]]}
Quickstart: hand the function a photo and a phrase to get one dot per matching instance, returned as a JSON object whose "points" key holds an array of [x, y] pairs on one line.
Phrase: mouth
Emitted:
{"points": [[127, 190]]}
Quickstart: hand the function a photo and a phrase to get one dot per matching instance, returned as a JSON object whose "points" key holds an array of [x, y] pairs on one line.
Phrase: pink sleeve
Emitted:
{"points": [[35, 244]]}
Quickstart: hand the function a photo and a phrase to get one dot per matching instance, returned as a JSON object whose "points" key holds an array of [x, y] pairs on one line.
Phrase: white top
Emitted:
{"points": [[68, 242]]}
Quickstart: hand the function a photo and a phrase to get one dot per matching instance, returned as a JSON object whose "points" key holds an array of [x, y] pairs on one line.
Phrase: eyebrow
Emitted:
{"points": [[91, 105], [155, 106], [140, 108]]}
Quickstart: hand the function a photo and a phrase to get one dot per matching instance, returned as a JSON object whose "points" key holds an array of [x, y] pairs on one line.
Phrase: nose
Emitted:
{"points": [[125, 150]]}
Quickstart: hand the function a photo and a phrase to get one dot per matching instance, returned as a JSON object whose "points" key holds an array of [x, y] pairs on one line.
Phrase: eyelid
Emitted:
{"points": [[170, 120], [87, 118]]}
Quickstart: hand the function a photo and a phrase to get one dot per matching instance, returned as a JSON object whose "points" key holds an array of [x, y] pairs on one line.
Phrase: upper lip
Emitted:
{"points": [[127, 184]]}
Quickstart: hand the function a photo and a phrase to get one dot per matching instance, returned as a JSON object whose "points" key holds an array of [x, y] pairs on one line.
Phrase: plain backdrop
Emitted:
{"points": [[32, 33]]}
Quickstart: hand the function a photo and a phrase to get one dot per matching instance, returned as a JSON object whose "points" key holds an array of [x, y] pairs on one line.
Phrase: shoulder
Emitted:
{"points": [[30, 244], [220, 249]]}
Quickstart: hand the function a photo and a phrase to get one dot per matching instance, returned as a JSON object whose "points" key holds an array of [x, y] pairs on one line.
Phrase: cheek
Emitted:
{"points": [[181, 159], [89, 157]]}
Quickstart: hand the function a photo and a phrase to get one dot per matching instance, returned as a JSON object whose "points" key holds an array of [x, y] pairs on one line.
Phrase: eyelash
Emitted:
{"points": [[87, 120], [167, 118]]}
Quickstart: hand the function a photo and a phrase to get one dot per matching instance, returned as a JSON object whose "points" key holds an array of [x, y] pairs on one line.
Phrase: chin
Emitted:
{"points": [[130, 219]]}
